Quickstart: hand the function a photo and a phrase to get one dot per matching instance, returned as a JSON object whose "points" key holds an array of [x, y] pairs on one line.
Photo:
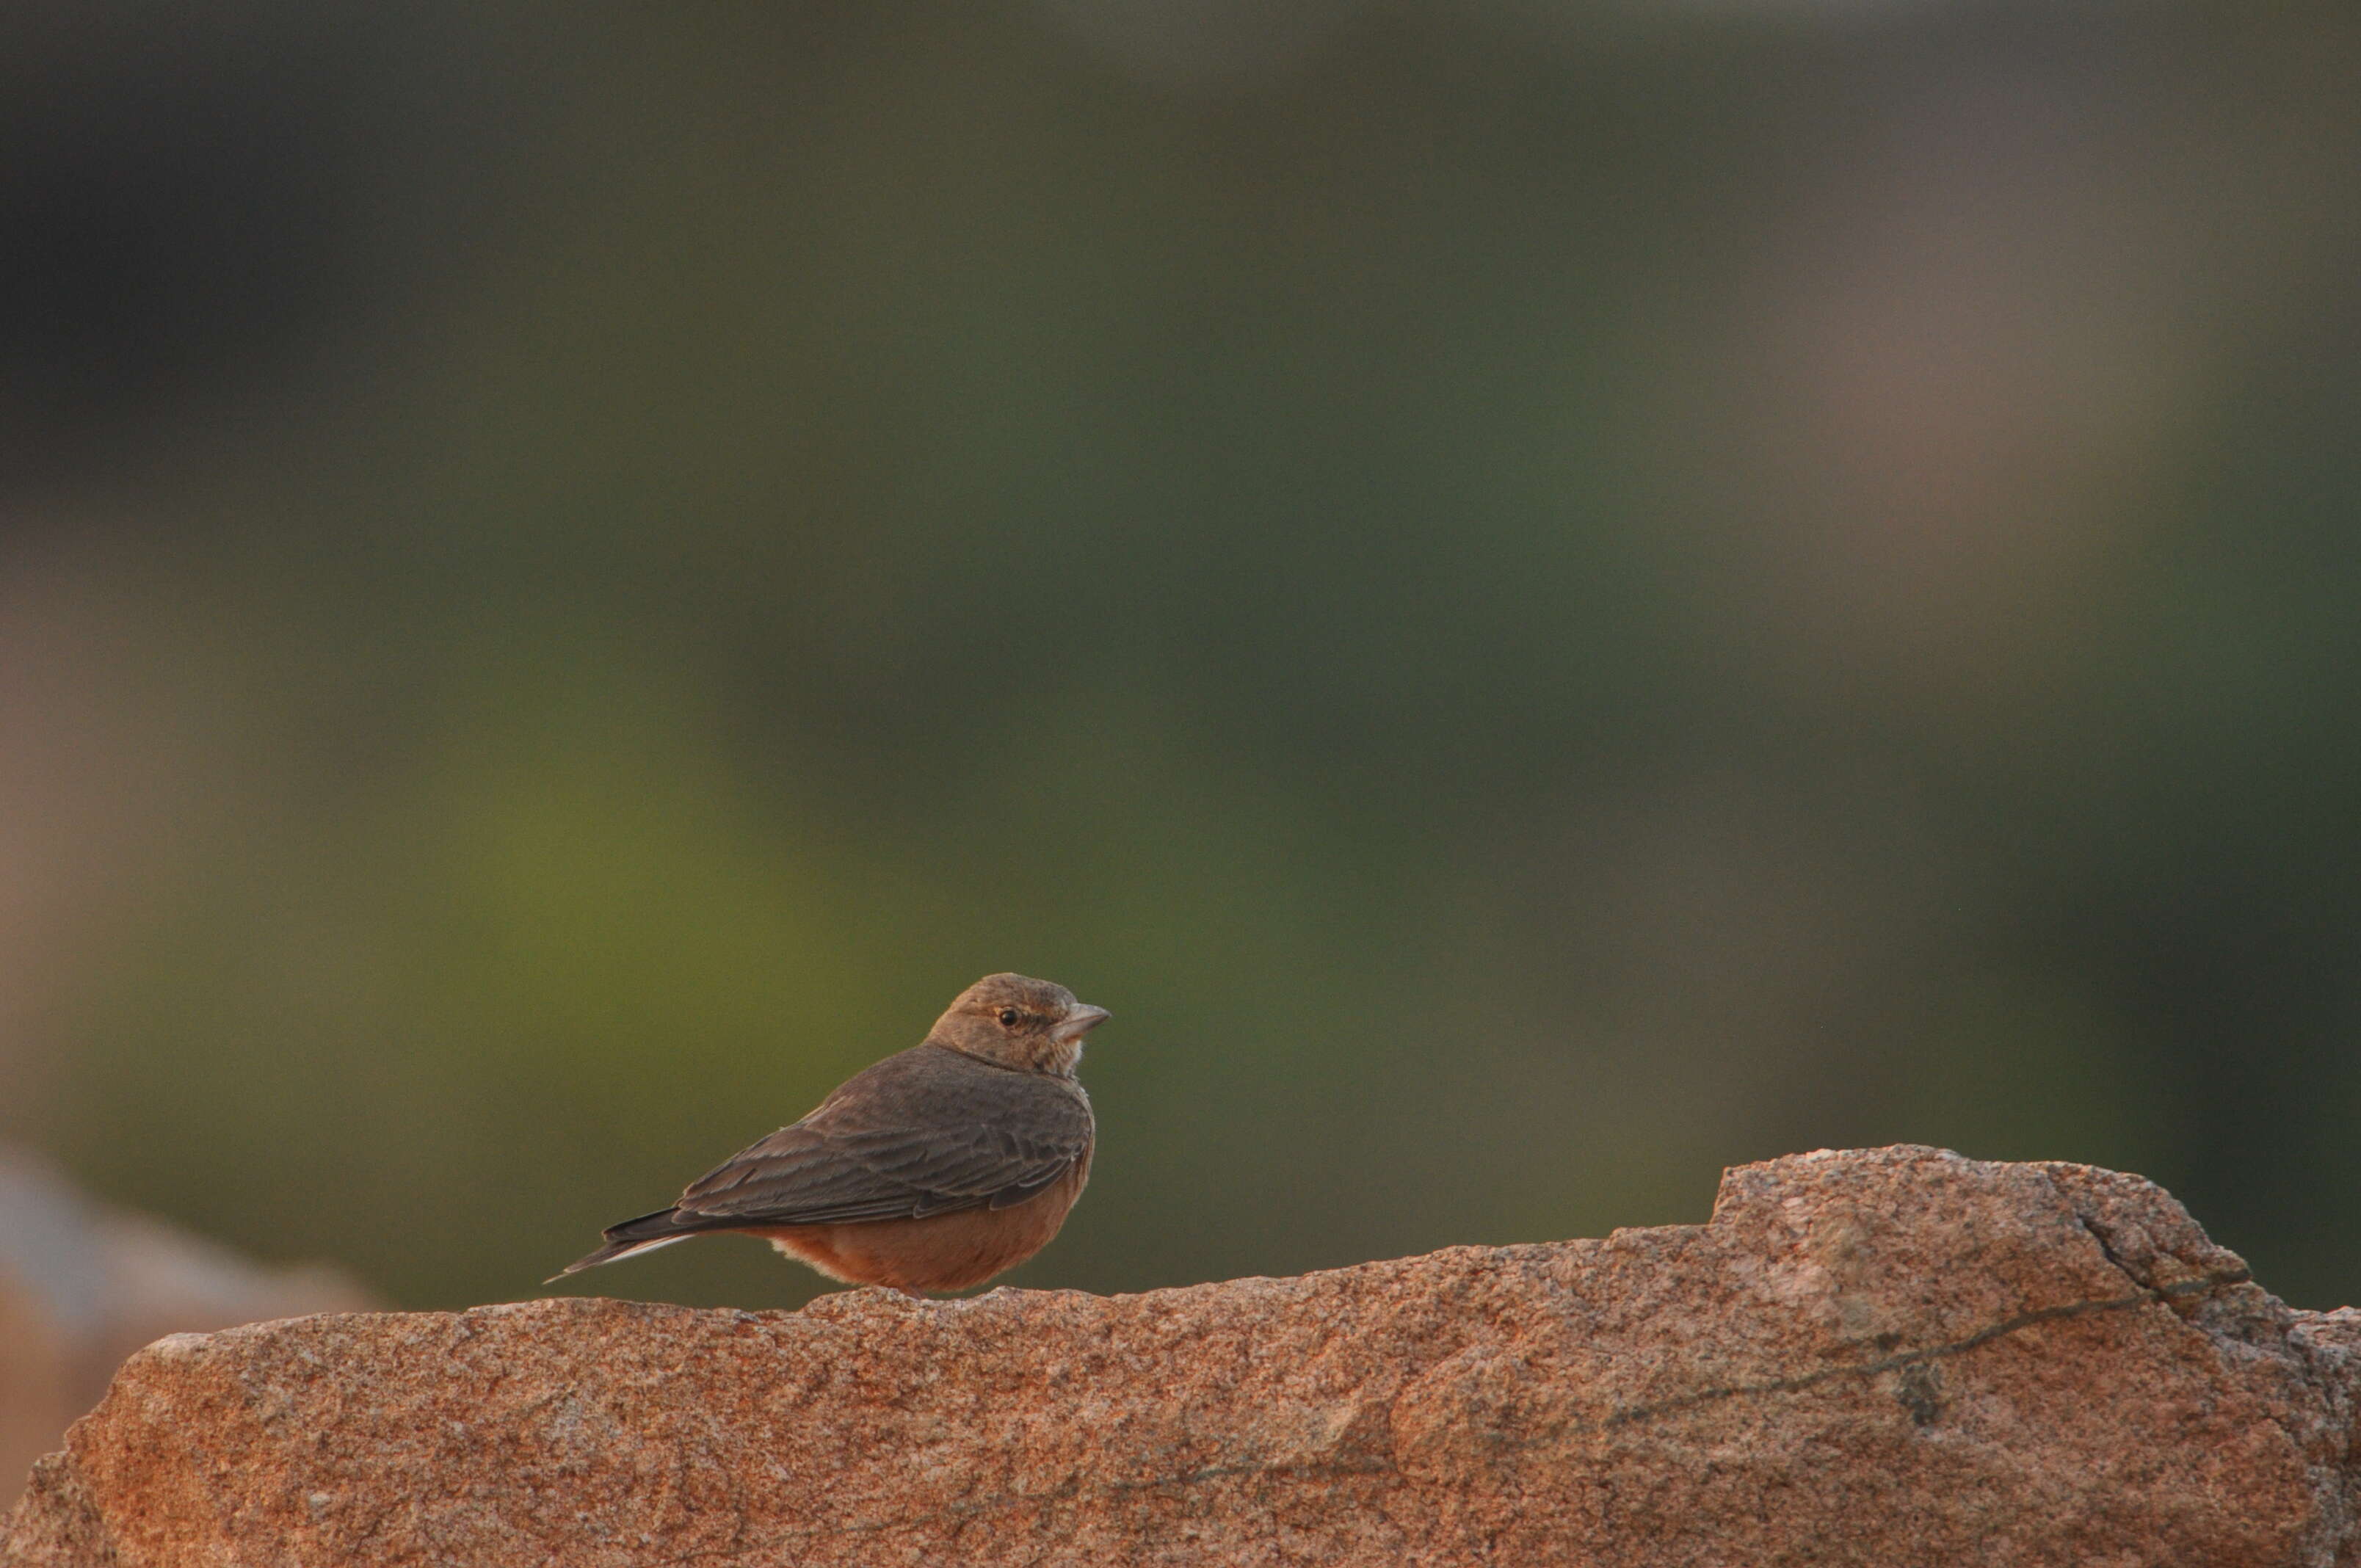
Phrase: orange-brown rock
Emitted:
{"points": [[82, 1286], [1897, 1357]]}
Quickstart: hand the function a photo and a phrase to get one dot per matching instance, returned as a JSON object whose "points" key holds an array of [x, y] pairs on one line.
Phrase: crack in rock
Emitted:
{"points": [[2145, 1296]]}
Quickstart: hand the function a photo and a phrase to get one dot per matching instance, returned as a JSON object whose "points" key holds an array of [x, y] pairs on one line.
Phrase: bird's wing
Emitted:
{"points": [[905, 1140]]}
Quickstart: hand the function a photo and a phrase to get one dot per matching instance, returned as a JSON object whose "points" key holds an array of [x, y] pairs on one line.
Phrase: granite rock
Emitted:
{"points": [[1888, 1356], [84, 1284]]}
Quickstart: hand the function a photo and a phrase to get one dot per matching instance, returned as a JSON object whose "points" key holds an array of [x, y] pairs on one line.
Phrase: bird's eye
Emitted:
{"points": [[1008, 1017]]}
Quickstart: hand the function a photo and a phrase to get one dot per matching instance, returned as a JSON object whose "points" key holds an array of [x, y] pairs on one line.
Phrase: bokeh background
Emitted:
{"points": [[1543, 598]]}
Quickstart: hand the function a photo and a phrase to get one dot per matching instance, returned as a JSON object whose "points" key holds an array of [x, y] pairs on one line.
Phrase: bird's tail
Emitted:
{"points": [[630, 1239]]}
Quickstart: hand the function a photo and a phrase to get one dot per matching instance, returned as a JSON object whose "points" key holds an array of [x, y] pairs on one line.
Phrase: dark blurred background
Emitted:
{"points": [[1543, 599]]}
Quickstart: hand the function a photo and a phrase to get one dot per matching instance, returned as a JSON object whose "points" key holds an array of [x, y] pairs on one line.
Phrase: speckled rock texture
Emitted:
{"points": [[1885, 1357], [83, 1285]]}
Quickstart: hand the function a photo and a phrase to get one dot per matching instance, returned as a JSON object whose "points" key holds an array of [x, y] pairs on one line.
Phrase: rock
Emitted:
{"points": [[82, 1286], [1893, 1356]]}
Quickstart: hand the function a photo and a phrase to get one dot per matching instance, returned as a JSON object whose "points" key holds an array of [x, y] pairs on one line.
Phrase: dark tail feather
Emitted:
{"points": [[645, 1234]]}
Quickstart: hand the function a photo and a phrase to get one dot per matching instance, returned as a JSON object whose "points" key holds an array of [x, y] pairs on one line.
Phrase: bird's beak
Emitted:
{"points": [[1079, 1021]]}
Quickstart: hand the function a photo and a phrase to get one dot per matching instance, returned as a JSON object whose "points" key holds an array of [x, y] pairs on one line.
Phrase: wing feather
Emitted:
{"points": [[926, 1132]]}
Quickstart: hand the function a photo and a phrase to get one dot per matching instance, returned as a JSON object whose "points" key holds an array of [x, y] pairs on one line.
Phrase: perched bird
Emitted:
{"points": [[935, 1169]]}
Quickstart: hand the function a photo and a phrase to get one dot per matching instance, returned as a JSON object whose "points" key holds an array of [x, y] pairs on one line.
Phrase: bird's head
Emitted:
{"points": [[1017, 1021]]}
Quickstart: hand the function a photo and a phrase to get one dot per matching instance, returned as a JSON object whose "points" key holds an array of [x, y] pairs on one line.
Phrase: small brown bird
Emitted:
{"points": [[935, 1169]]}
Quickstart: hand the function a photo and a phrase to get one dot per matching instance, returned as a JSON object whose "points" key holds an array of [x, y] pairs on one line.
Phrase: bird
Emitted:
{"points": [[933, 1170]]}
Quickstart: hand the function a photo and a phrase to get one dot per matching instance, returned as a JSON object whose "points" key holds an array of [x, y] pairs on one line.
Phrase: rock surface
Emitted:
{"points": [[1895, 1356], [82, 1286]]}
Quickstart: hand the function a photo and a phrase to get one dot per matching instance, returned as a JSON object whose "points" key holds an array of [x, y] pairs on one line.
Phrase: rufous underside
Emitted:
{"points": [[942, 1252]]}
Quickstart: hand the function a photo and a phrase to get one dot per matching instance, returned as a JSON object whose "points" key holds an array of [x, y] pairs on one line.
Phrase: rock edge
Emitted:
{"points": [[1863, 1357]]}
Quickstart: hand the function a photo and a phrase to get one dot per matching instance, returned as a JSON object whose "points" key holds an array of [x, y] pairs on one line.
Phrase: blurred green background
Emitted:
{"points": [[1542, 598]]}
